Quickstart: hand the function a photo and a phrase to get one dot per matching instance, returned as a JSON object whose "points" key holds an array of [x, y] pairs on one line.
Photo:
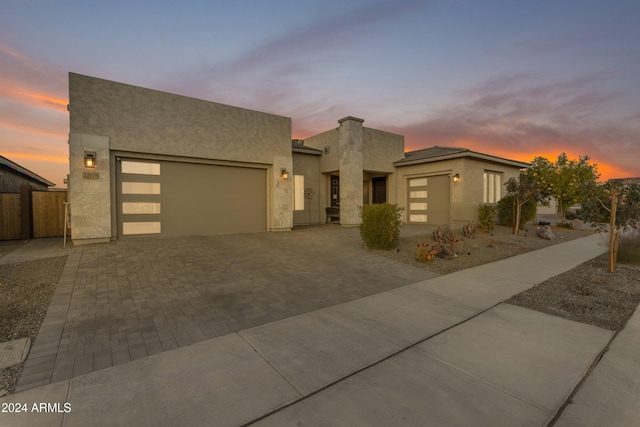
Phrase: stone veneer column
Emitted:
{"points": [[89, 190], [351, 175]]}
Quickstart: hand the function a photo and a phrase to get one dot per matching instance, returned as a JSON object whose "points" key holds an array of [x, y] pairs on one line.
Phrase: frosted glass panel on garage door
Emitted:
{"points": [[140, 208], [418, 194], [140, 168], [140, 188], [141, 227], [418, 182]]}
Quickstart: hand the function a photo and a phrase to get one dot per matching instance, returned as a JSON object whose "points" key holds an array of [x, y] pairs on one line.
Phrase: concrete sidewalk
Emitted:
{"points": [[439, 352]]}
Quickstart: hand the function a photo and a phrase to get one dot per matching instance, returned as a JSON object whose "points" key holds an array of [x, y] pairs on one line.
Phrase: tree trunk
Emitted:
{"points": [[516, 226], [616, 243], [613, 253]]}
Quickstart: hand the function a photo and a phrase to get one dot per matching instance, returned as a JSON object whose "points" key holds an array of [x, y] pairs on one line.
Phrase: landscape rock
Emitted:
{"points": [[545, 233], [445, 252], [576, 224]]}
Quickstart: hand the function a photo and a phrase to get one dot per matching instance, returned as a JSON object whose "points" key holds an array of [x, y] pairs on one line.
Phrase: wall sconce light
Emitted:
{"points": [[456, 177], [89, 160], [284, 174]]}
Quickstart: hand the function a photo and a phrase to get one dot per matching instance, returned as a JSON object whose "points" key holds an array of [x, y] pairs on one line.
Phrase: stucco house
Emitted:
{"points": [[150, 163]]}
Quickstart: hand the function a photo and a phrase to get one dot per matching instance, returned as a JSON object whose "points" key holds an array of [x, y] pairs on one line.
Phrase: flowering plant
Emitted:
{"points": [[424, 254]]}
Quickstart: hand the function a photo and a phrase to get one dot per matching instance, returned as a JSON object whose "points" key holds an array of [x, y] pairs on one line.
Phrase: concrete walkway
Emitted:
{"points": [[439, 352]]}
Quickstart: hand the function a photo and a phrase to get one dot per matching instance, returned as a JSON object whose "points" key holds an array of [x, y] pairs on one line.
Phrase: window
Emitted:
{"points": [[298, 192], [492, 187]]}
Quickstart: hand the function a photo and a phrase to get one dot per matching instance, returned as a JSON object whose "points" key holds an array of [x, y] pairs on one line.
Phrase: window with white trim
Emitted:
{"points": [[492, 187]]}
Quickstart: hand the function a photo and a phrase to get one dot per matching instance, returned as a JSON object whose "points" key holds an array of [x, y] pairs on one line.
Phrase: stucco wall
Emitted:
{"points": [[125, 118], [467, 194], [149, 121], [381, 149], [329, 162], [472, 180]]}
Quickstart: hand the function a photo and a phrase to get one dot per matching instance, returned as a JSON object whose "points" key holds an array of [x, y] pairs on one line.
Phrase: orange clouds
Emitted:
{"points": [[37, 157], [29, 97]]}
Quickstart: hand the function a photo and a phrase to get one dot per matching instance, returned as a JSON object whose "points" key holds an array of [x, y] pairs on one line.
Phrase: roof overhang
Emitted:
{"points": [[25, 172], [463, 154]]}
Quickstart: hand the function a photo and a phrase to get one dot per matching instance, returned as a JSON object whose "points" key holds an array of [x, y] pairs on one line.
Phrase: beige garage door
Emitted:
{"points": [[428, 200], [178, 199]]}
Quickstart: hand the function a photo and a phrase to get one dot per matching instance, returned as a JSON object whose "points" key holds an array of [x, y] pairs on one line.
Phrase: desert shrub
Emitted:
{"points": [[486, 217], [424, 253], [506, 214], [629, 248], [443, 234], [380, 227]]}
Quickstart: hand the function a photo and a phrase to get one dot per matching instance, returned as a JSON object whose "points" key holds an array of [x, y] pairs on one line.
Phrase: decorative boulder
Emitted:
{"points": [[545, 233], [445, 252], [576, 224]]}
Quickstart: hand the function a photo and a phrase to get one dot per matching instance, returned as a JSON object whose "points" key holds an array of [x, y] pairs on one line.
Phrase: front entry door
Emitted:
{"points": [[379, 190]]}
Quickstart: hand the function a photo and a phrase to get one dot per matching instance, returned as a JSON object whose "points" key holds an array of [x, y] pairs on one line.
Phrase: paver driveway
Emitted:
{"points": [[128, 299]]}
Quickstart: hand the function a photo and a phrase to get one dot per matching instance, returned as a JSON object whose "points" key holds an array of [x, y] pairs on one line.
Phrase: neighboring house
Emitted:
{"points": [[23, 196], [13, 176], [145, 162]]}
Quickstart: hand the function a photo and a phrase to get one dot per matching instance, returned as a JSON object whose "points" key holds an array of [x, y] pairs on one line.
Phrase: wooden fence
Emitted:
{"points": [[48, 213], [45, 215], [10, 228]]}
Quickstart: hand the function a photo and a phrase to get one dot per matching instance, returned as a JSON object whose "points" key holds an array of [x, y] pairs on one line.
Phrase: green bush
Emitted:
{"points": [[380, 228], [506, 214], [629, 248], [486, 217], [570, 215]]}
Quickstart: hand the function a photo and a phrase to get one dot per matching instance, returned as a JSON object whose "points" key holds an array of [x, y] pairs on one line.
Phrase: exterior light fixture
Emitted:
{"points": [[284, 174], [90, 160], [456, 177]]}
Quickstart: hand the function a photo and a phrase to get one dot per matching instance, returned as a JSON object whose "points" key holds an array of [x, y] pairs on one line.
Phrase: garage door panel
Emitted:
{"points": [[190, 199], [428, 199], [207, 199]]}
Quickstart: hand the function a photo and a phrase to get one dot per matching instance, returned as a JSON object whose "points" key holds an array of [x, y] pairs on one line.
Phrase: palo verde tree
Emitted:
{"points": [[524, 188], [565, 180], [614, 207]]}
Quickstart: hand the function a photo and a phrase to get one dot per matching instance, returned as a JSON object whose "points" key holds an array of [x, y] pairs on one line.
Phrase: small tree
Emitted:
{"points": [[523, 189], [506, 215], [614, 207], [565, 180]]}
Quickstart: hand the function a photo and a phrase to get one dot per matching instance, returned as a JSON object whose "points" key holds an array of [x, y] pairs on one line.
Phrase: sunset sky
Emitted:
{"points": [[509, 78]]}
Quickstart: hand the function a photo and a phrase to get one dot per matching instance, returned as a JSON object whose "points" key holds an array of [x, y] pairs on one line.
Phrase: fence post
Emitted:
{"points": [[25, 212]]}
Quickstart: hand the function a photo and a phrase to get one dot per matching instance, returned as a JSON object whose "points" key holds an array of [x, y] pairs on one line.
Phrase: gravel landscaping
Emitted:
{"points": [[26, 289], [587, 293]]}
